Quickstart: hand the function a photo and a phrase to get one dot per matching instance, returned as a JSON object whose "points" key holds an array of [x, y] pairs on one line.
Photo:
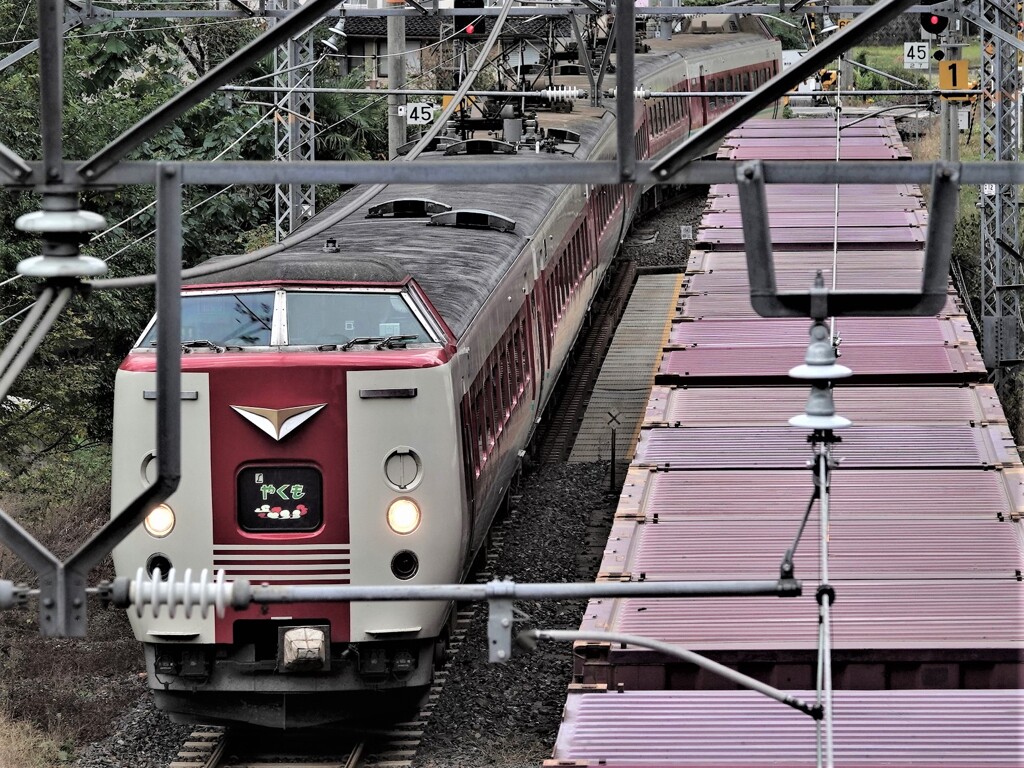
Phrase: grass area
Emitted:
{"points": [[966, 253], [889, 58], [57, 695], [24, 745], [886, 56]]}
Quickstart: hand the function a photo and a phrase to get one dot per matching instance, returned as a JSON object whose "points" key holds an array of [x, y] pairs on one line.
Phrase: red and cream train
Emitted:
{"points": [[355, 414]]}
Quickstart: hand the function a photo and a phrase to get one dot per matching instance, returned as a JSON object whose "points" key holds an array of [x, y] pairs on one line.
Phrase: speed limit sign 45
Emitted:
{"points": [[419, 112], [915, 55]]}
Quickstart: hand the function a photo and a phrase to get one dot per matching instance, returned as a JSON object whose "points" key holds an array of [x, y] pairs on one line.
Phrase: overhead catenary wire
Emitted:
{"points": [[147, 235], [142, 210], [313, 229]]}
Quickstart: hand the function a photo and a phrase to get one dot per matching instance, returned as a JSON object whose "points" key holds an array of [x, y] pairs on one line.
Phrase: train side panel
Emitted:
{"points": [[189, 545], [403, 445]]}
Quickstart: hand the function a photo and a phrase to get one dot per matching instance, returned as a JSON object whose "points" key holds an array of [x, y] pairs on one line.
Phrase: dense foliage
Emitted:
{"points": [[115, 73]]}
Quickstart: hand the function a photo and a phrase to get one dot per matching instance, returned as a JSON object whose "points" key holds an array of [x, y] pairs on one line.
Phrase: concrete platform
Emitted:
{"points": [[627, 375]]}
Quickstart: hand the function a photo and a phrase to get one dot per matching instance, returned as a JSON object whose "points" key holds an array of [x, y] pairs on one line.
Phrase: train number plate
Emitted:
{"points": [[280, 499]]}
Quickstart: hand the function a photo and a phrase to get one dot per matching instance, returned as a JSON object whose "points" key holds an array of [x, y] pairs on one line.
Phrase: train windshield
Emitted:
{"points": [[316, 317], [235, 319], [342, 318]]}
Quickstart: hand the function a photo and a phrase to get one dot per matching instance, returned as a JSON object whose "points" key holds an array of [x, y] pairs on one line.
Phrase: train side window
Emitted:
{"points": [[712, 99], [496, 405], [479, 426], [520, 362], [510, 377], [505, 373], [488, 412], [524, 354], [474, 445]]}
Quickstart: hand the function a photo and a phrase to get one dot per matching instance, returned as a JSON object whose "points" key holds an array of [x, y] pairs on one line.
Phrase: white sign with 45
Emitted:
{"points": [[420, 112], [915, 55]]}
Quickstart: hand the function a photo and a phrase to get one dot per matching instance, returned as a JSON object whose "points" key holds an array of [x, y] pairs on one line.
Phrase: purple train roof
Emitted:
{"points": [[874, 447], [895, 547], [926, 549], [736, 406], [742, 729], [920, 494]]}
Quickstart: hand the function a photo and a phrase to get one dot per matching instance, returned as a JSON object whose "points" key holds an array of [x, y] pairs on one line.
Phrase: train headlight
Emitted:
{"points": [[403, 516], [160, 521]]}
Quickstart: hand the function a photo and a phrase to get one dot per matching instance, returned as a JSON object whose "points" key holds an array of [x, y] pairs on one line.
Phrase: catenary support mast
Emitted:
{"points": [[294, 126], [1001, 268]]}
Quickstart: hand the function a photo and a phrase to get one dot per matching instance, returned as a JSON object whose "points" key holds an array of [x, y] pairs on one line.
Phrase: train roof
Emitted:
{"points": [[458, 268]]}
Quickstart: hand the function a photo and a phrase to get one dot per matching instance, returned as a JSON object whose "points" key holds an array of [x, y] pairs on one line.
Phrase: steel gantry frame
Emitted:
{"points": [[1001, 266], [61, 225], [294, 123]]}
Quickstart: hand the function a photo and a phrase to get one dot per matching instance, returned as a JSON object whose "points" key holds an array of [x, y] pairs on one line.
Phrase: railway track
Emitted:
{"points": [[566, 413], [213, 747], [392, 746]]}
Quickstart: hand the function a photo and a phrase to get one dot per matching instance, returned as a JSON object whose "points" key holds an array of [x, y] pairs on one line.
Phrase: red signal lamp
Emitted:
{"points": [[934, 23], [469, 29]]}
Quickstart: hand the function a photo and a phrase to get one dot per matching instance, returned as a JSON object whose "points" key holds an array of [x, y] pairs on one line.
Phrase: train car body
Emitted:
{"points": [[924, 538], [356, 405]]}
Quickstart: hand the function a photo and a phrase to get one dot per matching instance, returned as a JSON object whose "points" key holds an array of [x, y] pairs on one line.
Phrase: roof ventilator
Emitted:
{"points": [[407, 208], [563, 136], [473, 219], [481, 147], [435, 144]]}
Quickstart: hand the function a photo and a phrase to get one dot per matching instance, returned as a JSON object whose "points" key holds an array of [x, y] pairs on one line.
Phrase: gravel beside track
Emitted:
{"points": [[142, 738], [488, 715]]}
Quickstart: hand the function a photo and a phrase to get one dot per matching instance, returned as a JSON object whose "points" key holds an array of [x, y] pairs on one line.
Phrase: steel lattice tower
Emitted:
{"points": [[293, 124], [1000, 230]]}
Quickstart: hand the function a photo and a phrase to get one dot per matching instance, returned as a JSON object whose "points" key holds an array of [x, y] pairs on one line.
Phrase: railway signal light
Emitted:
{"points": [[469, 27], [934, 23]]}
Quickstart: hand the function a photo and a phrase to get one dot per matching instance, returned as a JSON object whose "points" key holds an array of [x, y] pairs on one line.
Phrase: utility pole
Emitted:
{"points": [[396, 80]]}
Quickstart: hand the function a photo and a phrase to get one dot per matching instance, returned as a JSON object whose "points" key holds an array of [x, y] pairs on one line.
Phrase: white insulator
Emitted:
{"points": [[639, 93], [137, 592], [154, 591], [562, 93], [187, 588], [170, 592], [204, 598]]}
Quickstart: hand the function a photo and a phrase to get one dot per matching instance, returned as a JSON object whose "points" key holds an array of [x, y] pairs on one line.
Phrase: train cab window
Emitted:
{"points": [[299, 317], [340, 317], [237, 318]]}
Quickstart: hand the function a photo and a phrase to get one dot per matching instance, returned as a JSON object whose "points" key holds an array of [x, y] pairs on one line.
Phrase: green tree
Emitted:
{"points": [[115, 73]]}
